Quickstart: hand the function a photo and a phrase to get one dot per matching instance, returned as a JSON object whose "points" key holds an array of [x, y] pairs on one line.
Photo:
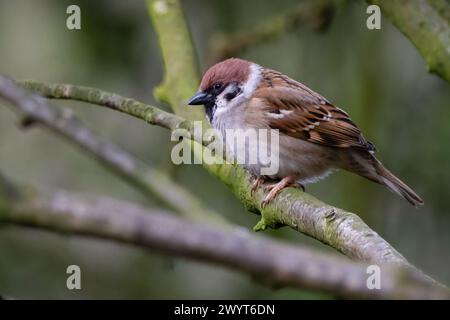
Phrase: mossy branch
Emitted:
{"points": [[426, 23], [174, 37]]}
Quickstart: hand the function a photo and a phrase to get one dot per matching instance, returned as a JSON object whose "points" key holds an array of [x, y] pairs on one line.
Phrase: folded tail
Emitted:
{"points": [[365, 164], [396, 185]]}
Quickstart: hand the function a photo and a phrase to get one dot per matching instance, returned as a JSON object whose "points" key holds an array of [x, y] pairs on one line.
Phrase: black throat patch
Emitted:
{"points": [[210, 109]]}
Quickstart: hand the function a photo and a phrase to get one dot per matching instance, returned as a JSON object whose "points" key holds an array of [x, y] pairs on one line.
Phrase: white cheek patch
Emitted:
{"points": [[253, 81], [223, 105]]}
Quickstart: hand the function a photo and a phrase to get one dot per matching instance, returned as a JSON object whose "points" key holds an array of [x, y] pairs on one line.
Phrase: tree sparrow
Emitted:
{"points": [[315, 137]]}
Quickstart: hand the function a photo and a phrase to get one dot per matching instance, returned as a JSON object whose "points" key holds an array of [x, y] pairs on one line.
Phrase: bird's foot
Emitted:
{"points": [[258, 181], [289, 181], [293, 184]]}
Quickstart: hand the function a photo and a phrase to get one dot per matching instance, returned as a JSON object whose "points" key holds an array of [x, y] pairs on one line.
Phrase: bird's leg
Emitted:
{"points": [[275, 188], [258, 181]]}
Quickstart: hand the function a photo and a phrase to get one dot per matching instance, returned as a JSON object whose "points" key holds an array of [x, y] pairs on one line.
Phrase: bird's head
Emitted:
{"points": [[226, 84]]}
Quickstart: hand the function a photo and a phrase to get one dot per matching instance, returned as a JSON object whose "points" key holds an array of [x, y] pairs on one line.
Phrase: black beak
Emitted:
{"points": [[200, 98]]}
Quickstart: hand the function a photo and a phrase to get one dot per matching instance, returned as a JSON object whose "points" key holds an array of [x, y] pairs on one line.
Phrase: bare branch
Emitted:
{"points": [[426, 23], [144, 178], [271, 261]]}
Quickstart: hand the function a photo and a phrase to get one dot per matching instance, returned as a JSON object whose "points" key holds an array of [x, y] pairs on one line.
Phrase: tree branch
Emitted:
{"points": [[147, 180], [272, 261], [175, 41], [426, 23], [313, 14]]}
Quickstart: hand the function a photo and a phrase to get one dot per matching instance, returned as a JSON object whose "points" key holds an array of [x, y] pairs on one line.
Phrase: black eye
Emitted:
{"points": [[217, 86]]}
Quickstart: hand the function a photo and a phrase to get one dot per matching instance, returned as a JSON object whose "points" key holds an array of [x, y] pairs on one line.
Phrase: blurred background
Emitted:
{"points": [[375, 75]]}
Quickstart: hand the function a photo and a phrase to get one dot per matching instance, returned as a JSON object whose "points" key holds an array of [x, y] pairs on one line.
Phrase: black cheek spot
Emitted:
{"points": [[231, 95]]}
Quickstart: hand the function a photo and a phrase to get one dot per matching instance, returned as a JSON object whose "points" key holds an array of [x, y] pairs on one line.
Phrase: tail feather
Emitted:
{"points": [[365, 164], [396, 185]]}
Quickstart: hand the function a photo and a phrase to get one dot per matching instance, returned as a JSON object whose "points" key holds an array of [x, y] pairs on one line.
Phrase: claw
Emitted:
{"points": [[301, 186], [277, 187], [258, 181]]}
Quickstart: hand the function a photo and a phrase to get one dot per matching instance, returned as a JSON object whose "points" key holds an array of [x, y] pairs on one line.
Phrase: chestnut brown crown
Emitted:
{"points": [[224, 72]]}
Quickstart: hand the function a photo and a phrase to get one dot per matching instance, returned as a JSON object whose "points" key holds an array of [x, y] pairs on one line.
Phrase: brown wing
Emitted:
{"points": [[299, 112]]}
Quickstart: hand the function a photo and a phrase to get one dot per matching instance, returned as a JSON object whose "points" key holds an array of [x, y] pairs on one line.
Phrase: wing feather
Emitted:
{"points": [[297, 111]]}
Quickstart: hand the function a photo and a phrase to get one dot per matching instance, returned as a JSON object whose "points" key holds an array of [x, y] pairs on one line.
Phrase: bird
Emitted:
{"points": [[315, 137]]}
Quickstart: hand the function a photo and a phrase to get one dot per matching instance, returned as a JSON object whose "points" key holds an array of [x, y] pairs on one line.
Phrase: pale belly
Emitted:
{"points": [[307, 161]]}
